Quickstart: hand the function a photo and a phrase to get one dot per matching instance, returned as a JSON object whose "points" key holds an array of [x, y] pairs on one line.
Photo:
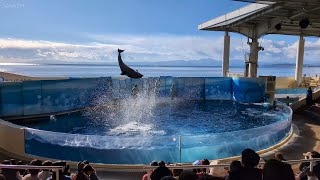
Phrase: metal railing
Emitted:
{"points": [[150, 168], [18, 167]]}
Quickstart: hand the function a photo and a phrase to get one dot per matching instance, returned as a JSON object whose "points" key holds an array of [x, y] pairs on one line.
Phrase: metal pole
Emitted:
{"points": [[311, 166], [253, 60], [226, 55], [180, 143], [299, 61], [57, 173]]}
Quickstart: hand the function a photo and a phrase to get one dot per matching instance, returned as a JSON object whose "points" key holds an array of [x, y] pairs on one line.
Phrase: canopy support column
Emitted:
{"points": [[299, 61], [226, 55], [253, 59]]}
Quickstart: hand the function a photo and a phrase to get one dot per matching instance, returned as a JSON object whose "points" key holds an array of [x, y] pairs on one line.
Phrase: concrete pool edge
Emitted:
{"points": [[16, 133]]}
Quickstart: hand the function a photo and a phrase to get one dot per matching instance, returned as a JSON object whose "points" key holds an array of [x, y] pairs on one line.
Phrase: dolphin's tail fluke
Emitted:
{"points": [[120, 50]]}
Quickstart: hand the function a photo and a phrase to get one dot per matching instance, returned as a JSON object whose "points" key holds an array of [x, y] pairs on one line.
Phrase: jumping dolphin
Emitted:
{"points": [[126, 70]]}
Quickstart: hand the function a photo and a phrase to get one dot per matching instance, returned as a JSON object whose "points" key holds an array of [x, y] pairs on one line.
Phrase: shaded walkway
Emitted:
{"points": [[307, 122]]}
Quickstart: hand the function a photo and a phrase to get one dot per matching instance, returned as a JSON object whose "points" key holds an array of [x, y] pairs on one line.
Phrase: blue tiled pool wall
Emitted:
{"points": [[50, 96]]}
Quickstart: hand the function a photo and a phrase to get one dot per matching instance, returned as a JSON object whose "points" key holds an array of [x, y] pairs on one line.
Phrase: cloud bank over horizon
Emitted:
{"points": [[148, 48]]}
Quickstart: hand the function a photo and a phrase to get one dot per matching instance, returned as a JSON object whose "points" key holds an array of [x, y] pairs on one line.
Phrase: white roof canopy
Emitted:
{"points": [[270, 17]]}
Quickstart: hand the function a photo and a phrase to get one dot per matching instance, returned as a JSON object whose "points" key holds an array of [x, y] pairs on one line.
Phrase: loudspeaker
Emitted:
{"points": [[278, 26], [304, 23]]}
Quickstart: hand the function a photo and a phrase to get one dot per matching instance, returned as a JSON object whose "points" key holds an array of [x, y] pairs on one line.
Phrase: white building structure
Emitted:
{"points": [[294, 17]]}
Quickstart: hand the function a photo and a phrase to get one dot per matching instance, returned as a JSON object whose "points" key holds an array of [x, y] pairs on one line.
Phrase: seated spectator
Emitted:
{"points": [[33, 173], [45, 173], [215, 170], [234, 167], [279, 156], [85, 162], [153, 163], [188, 175], [10, 174], [90, 172], [177, 172], [303, 166], [80, 175], [305, 173], [22, 172], [249, 160], [168, 178], [2, 177], [201, 172], [13, 161], [209, 177], [160, 172], [61, 175], [277, 170]]}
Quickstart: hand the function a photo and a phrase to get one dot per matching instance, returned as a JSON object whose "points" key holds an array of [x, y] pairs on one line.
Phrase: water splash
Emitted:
{"points": [[132, 115]]}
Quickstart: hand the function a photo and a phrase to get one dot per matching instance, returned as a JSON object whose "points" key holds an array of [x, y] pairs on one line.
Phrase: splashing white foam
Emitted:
{"points": [[132, 115], [134, 128]]}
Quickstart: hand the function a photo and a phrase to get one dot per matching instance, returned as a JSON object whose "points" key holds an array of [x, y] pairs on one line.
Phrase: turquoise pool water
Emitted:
{"points": [[292, 91], [143, 130]]}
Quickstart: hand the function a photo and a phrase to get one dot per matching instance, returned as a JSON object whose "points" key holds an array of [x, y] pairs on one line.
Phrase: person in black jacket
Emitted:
{"points": [[160, 172], [309, 97], [249, 160]]}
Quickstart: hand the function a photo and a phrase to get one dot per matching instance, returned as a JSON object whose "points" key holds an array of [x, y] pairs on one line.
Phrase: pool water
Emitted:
{"points": [[292, 91], [164, 118], [137, 131]]}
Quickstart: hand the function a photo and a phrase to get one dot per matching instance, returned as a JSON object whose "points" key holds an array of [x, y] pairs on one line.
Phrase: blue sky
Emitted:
{"points": [[150, 30]]}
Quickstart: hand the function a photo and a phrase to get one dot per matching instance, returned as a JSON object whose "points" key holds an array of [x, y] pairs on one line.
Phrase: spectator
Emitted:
{"points": [[288, 101], [309, 97], [22, 172], [279, 156], [13, 161], [249, 160], [277, 170], [201, 172], [209, 177], [61, 175], [80, 175], [2, 177], [235, 166], [33, 173], [10, 174], [168, 178], [188, 175], [66, 170], [305, 167], [160, 172], [90, 172], [85, 162], [153, 163], [45, 173]]}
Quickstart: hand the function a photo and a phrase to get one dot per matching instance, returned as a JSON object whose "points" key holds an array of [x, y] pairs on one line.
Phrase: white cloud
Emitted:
{"points": [[163, 47]]}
